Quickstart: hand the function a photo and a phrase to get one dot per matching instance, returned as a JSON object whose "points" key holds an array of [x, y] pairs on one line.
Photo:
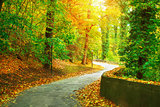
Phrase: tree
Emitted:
{"points": [[49, 30], [142, 41], [109, 29], [105, 42], [115, 37], [82, 15], [89, 25], [124, 29]]}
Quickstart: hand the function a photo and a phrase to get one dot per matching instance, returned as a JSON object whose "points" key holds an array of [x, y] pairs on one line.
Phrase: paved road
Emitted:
{"points": [[57, 94]]}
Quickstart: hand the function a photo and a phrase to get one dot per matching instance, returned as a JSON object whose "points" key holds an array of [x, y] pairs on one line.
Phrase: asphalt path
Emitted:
{"points": [[57, 94]]}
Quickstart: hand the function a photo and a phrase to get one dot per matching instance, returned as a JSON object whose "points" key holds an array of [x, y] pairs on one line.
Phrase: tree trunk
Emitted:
{"points": [[87, 37], [85, 50], [105, 43], [123, 26], [49, 33], [115, 40], [123, 29]]}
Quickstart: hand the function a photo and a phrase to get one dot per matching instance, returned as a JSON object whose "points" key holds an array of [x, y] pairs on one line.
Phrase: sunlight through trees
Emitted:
{"points": [[121, 31]]}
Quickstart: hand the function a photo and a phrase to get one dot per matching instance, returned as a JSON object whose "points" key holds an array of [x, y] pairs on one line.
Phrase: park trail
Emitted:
{"points": [[58, 94]]}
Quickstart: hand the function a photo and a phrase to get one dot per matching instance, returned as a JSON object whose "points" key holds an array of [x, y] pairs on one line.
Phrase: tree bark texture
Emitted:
{"points": [[49, 33], [85, 49], [87, 37]]}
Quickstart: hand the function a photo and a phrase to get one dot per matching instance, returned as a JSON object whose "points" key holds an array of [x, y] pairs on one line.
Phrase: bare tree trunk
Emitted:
{"points": [[49, 33], [85, 49], [87, 37]]}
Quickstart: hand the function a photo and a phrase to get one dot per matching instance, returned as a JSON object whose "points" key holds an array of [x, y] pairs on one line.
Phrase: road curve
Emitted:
{"points": [[57, 94]]}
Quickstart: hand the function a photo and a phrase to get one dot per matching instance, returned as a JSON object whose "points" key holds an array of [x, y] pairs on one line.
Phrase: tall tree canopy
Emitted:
{"points": [[114, 30]]}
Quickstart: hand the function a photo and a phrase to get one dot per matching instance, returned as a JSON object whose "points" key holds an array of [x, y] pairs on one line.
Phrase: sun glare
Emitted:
{"points": [[99, 3]]}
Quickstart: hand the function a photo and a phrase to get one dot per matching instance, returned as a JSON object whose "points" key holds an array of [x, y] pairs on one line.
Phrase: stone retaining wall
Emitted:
{"points": [[130, 94]]}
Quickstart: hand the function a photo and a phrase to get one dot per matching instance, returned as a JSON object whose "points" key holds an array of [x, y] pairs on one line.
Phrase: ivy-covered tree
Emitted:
{"points": [[105, 42], [49, 29], [124, 29], [142, 42]]}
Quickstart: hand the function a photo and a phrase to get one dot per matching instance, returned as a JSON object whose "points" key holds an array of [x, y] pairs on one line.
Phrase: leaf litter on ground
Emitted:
{"points": [[89, 96], [17, 76]]}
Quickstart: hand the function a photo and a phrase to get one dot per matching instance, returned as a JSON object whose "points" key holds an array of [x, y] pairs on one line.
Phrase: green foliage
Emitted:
{"points": [[105, 44], [140, 53], [22, 31], [59, 48], [124, 28], [8, 26]]}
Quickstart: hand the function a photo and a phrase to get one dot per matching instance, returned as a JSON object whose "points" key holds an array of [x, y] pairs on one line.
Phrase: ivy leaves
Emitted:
{"points": [[143, 43]]}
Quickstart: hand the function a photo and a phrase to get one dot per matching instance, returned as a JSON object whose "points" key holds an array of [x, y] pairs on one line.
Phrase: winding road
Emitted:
{"points": [[57, 94]]}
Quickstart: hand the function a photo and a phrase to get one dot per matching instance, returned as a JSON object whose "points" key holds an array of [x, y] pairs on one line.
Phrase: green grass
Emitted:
{"points": [[71, 69]]}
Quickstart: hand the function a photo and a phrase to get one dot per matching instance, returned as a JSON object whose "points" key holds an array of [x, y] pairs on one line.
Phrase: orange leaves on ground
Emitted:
{"points": [[112, 72], [22, 77], [89, 96], [10, 65]]}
